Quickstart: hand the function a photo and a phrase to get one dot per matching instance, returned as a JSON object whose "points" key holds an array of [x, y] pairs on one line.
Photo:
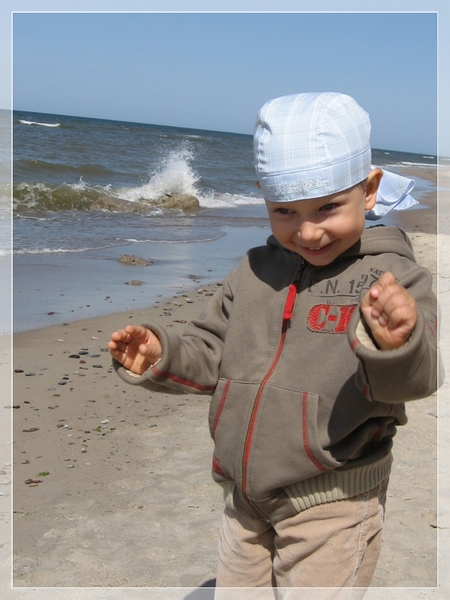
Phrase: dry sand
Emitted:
{"points": [[121, 494]]}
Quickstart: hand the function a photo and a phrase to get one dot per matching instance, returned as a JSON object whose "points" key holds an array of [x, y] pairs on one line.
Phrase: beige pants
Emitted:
{"points": [[332, 546]]}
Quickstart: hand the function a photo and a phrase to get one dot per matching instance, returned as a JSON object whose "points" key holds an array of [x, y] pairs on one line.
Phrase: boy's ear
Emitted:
{"points": [[372, 185]]}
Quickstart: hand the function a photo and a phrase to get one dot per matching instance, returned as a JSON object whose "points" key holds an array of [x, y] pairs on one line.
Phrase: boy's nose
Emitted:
{"points": [[309, 232]]}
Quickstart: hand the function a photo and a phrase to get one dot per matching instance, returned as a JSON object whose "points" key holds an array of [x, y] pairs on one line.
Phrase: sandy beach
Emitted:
{"points": [[112, 486]]}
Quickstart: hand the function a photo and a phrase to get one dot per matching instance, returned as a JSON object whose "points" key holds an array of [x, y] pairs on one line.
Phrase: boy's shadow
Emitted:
{"points": [[204, 592]]}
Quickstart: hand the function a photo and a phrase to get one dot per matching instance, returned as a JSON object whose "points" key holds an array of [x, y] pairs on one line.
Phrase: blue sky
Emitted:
{"points": [[214, 70]]}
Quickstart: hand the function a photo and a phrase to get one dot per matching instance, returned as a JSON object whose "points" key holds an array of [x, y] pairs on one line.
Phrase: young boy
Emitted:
{"points": [[309, 350]]}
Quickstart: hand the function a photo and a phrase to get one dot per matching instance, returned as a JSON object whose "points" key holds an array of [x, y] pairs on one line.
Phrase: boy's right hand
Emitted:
{"points": [[135, 347]]}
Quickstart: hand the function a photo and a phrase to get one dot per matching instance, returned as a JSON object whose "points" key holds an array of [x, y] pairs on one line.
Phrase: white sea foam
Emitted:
{"points": [[51, 251], [174, 175], [216, 200], [405, 163], [81, 185], [24, 122], [212, 238], [59, 250]]}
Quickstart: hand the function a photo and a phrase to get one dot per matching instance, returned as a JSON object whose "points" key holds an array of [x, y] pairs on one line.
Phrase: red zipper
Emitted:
{"points": [[287, 316]]}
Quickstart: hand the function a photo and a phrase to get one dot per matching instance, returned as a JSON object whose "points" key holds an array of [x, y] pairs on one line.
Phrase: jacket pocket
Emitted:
{"points": [[229, 415], [285, 447], [278, 444]]}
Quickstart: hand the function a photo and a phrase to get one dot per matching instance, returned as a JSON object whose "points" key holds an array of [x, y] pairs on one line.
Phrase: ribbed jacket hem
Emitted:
{"points": [[338, 484]]}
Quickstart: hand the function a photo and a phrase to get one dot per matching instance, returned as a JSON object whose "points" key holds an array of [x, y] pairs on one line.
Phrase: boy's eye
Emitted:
{"points": [[283, 211], [328, 206]]}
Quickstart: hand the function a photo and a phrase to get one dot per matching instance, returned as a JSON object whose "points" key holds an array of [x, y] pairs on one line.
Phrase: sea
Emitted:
{"points": [[65, 256]]}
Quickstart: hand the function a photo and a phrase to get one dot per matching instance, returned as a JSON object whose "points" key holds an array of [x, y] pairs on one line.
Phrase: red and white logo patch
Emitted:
{"points": [[330, 318]]}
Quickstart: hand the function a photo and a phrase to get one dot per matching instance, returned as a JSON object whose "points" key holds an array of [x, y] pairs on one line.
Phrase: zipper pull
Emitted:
{"points": [[290, 301]]}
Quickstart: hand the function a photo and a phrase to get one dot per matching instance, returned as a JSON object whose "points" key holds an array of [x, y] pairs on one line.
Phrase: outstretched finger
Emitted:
{"points": [[384, 282], [117, 345]]}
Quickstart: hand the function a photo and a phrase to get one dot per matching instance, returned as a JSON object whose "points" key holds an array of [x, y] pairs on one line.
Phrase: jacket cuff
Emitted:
{"points": [[146, 379], [389, 375]]}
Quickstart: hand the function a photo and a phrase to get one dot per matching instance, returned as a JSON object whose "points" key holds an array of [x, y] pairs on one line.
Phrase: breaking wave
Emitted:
{"points": [[173, 175]]}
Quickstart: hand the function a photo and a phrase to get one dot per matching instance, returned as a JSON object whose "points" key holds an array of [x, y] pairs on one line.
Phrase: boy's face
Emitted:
{"points": [[322, 229]]}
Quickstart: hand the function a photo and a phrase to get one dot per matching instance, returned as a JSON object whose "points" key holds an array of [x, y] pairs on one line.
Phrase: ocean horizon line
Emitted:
{"points": [[193, 129]]}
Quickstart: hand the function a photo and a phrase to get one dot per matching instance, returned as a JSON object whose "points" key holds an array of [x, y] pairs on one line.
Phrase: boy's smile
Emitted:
{"points": [[322, 229]]}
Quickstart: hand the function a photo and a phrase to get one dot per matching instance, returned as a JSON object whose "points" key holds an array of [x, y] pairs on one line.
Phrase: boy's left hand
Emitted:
{"points": [[390, 311]]}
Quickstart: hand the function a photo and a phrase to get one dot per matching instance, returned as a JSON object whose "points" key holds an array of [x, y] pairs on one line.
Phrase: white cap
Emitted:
{"points": [[311, 145]]}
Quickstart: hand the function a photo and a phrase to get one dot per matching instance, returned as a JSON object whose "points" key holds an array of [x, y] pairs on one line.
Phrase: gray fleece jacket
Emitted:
{"points": [[303, 403]]}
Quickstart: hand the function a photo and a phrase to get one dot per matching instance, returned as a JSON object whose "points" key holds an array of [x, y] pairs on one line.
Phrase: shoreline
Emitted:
{"points": [[423, 243], [71, 287]]}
